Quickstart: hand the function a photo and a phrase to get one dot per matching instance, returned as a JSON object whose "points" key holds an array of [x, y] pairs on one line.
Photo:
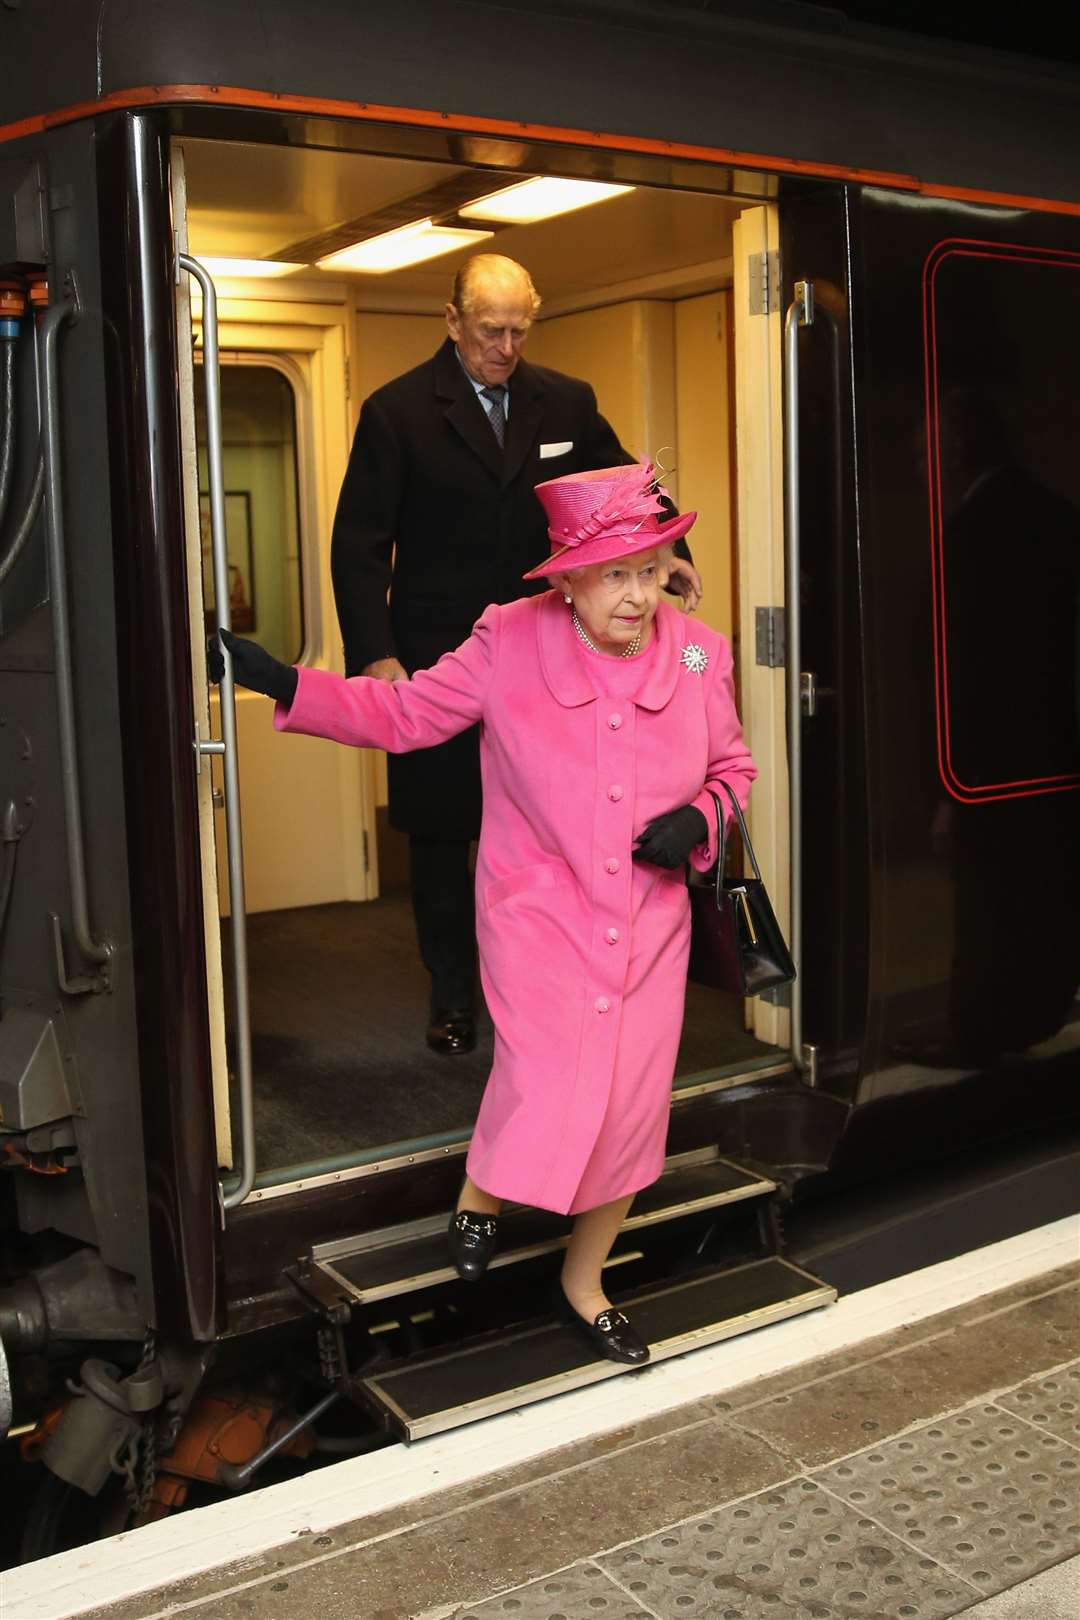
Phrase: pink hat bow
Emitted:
{"points": [[625, 504], [606, 513]]}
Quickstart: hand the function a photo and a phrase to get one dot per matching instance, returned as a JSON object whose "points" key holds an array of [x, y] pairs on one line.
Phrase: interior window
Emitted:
{"points": [[262, 511]]}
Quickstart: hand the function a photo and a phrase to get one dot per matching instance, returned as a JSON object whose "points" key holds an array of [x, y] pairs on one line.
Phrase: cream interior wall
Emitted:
{"points": [[626, 352], [703, 414], [386, 345], [660, 371]]}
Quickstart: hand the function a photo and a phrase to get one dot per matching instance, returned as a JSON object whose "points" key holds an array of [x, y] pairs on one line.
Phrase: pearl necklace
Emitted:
{"points": [[628, 651]]}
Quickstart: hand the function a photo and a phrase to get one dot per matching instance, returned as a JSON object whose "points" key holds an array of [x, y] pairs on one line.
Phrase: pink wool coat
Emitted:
{"points": [[583, 951]]}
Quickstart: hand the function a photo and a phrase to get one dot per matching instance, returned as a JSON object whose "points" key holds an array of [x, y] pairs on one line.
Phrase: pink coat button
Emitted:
{"points": [[611, 865], [615, 793], [602, 1004], [612, 936], [614, 721]]}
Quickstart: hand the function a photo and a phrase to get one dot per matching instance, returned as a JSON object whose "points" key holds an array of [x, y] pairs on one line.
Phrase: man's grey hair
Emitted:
{"points": [[485, 273]]}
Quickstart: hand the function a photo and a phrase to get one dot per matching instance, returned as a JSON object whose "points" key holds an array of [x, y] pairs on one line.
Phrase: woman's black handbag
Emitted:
{"points": [[735, 941]]}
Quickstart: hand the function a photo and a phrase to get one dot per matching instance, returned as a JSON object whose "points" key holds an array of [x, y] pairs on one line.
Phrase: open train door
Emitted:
{"points": [[205, 788], [758, 324], [285, 821]]}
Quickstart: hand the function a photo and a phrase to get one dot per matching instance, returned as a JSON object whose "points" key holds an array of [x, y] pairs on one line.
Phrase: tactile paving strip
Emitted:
{"points": [[581, 1593], [790, 1554], [986, 1495], [1052, 1403]]}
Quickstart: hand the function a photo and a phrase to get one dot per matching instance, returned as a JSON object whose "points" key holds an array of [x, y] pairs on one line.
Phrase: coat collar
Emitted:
{"points": [[523, 423], [467, 417], [464, 411], [565, 669]]}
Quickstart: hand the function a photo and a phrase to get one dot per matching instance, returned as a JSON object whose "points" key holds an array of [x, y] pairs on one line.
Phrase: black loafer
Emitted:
{"points": [[472, 1242], [451, 1031], [612, 1333]]}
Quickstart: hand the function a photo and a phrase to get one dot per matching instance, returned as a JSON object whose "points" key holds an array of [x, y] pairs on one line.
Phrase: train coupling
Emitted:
{"points": [[102, 1423]]}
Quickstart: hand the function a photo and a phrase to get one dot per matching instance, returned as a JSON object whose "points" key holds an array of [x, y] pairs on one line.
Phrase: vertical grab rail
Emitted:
{"points": [[235, 1192], [800, 312], [93, 950]]}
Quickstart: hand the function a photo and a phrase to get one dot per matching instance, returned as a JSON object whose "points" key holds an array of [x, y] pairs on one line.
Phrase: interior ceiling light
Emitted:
{"points": [[409, 244], [540, 198], [250, 267]]}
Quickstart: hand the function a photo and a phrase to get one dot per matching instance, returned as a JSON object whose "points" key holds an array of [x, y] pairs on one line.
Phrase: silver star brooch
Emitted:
{"points": [[695, 658]]}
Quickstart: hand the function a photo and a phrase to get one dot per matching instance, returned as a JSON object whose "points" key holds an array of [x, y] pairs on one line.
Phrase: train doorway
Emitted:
{"points": [[657, 298]]}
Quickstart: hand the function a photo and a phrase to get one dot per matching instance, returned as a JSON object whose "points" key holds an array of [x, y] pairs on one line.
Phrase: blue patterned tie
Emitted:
{"points": [[497, 414]]}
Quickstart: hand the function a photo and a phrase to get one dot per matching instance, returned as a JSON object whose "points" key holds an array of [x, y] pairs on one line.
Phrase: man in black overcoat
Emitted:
{"points": [[437, 508]]}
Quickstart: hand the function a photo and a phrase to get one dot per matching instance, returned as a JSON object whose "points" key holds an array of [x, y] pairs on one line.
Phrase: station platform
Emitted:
{"points": [[911, 1453]]}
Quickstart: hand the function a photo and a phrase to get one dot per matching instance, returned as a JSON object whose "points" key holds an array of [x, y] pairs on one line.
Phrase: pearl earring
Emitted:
{"points": [[567, 598]]}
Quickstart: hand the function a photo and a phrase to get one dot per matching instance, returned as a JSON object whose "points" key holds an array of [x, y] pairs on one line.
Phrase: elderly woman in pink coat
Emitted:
{"points": [[606, 718]]}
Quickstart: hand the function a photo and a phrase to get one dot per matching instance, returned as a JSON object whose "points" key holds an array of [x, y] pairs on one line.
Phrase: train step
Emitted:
{"points": [[428, 1393], [398, 1260]]}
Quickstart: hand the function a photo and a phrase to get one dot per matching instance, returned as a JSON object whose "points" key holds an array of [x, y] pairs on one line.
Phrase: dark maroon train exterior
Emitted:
{"points": [[928, 190]]}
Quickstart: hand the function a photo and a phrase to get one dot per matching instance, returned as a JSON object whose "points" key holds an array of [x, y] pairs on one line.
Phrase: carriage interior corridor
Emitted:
{"points": [[637, 295]]}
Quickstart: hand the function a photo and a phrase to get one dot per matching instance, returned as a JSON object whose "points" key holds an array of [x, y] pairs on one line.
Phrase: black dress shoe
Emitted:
{"points": [[472, 1242], [452, 1030], [611, 1333]]}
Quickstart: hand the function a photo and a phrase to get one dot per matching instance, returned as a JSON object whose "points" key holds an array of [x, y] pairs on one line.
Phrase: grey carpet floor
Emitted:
{"points": [[339, 1002]]}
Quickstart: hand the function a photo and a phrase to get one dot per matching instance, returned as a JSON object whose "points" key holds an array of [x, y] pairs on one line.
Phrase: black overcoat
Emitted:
{"points": [[433, 511]]}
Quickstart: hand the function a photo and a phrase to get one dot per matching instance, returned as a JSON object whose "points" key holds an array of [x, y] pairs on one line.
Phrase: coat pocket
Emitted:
{"points": [[545, 876]]}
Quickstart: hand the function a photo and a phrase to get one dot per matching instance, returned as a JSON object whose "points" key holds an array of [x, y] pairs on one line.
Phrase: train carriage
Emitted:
{"points": [[836, 269]]}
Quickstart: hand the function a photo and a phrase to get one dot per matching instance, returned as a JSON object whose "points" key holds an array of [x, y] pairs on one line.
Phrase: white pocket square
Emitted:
{"points": [[559, 449]]}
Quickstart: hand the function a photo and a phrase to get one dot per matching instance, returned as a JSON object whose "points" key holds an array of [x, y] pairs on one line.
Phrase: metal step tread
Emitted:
{"points": [[428, 1394], [386, 1263]]}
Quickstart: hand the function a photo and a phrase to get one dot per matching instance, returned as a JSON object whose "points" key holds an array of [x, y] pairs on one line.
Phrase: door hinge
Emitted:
{"points": [[765, 282], [769, 636], [348, 378]]}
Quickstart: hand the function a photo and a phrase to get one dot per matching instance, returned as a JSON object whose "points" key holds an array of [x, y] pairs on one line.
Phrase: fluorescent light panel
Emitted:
{"points": [[250, 267], [540, 198], [409, 244]]}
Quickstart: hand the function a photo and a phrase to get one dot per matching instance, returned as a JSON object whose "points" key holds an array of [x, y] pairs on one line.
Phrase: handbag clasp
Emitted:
{"points": [[741, 893]]}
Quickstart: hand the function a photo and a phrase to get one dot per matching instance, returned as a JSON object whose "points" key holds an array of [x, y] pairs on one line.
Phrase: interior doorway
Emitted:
{"points": [[639, 298]]}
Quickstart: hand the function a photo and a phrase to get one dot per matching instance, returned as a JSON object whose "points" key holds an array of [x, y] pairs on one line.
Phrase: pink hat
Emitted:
{"points": [[594, 517]]}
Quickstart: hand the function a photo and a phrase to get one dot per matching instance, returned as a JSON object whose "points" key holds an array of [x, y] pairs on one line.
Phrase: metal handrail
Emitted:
{"points": [[234, 1192], [97, 951], [800, 312]]}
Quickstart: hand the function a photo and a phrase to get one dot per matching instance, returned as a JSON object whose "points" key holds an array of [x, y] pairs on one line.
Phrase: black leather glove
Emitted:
{"points": [[253, 667], [668, 839]]}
